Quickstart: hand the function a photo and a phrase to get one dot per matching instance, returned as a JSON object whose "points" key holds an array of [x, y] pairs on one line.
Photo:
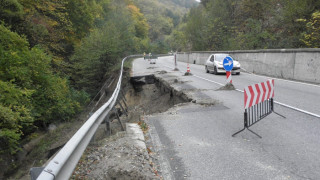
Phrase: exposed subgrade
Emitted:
{"points": [[164, 87]]}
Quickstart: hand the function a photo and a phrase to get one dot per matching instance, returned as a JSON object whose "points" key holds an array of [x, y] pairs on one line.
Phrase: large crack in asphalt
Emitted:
{"points": [[115, 157]]}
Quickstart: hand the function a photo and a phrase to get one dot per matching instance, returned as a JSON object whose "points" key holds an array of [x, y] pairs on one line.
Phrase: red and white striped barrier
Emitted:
{"points": [[258, 93], [229, 79], [258, 104]]}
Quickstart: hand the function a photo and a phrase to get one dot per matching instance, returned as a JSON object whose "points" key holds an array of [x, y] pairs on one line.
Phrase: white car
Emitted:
{"points": [[215, 64], [153, 59]]}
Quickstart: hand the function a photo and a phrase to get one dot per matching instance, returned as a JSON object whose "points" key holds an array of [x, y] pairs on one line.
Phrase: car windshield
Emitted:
{"points": [[220, 57]]}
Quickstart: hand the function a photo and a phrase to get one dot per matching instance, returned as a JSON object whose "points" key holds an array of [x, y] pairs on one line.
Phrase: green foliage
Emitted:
{"points": [[162, 16], [196, 35], [45, 44], [312, 35], [105, 46], [178, 40], [82, 16], [140, 22], [249, 24], [15, 116], [30, 94], [10, 11], [182, 3], [253, 36]]}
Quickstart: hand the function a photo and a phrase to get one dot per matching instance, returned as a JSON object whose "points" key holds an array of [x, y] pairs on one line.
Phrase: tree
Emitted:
{"points": [[103, 48], [249, 24], [30, 93], [178, 40], [140, 22], [196, 30], [11, 11], [82, 16], [312, 34]]}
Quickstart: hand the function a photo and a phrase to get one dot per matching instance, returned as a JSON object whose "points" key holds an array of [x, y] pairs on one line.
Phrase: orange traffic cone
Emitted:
{"points": [[188, 70]]}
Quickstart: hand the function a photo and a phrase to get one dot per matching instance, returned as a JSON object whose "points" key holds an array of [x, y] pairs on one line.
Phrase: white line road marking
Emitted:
{"points": [[297, 109], [276, 102], [209, 80]]}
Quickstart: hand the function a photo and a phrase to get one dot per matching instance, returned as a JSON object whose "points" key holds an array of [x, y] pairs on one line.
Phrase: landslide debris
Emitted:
{"points": [[228, 86], [115, 158]]}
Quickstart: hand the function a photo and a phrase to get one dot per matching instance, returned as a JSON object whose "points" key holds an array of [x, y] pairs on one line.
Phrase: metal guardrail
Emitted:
{"points": [[64, 163]]}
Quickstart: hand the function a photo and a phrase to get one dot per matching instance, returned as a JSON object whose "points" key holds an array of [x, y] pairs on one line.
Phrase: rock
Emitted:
{"points": [[228, 86], [162, 72], [118, 159], [52, 128]]}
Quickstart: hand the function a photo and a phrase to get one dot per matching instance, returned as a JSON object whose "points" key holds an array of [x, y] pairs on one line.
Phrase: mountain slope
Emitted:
{"points": [[162, 17]]}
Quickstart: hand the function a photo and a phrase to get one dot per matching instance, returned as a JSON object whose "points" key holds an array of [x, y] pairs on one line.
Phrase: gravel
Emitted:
{"points": [[115, 159]]}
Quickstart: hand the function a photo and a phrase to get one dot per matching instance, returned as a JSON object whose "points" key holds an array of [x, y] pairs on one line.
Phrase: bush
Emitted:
{"points": [[30, 93]]}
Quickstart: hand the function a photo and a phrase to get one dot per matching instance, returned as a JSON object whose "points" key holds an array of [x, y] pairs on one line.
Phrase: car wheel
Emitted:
{"points": [[207, 71], [238, 73], [215, 70]]}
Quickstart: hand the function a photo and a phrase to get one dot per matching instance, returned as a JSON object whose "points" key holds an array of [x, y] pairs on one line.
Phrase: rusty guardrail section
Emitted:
{"points": [[63, 164]]}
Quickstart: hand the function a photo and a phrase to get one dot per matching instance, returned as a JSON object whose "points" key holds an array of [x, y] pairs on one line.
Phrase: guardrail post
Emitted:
{"points": [[125, 104], [118, 117], [124, 97], [125, 111], [124, 100], [108, 128]]}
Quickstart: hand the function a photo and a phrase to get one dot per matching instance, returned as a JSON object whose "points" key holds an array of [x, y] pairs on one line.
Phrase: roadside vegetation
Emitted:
{"points": [[56, 54], [248, 24]]}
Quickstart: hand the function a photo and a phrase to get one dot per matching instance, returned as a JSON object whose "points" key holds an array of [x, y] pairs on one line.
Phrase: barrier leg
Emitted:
{"points": [[238, 132], [245, 124], [254, 133], [272, 109]]}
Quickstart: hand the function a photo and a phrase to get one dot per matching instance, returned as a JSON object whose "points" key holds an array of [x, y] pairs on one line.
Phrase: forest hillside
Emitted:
{"points": [[56, 54]]}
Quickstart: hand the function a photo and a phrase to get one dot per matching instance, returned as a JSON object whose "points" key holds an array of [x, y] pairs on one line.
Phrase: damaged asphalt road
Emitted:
{"points": [[190, 120], [193, 140]]}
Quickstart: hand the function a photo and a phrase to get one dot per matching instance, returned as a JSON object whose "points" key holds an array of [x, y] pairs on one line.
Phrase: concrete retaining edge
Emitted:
{"points": [[135, 133]]}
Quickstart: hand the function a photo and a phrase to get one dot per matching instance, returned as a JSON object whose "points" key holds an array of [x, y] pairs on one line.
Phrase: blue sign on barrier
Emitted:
{"points": [[228, 63]]}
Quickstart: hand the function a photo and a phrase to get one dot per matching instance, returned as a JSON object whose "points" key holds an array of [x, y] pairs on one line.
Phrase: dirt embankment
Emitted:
{"points": [[115, 157]]}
